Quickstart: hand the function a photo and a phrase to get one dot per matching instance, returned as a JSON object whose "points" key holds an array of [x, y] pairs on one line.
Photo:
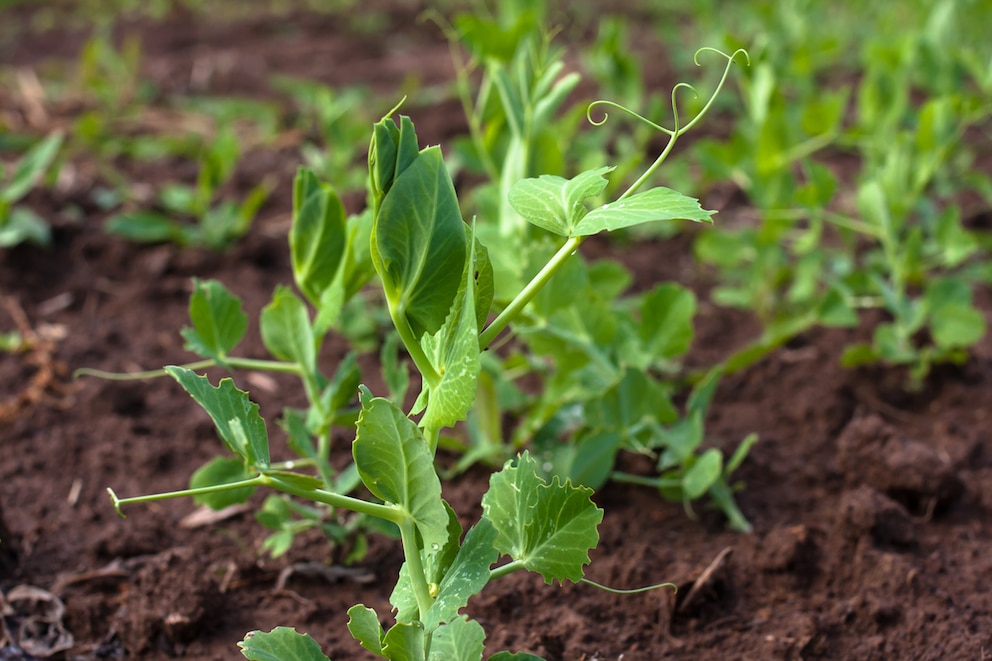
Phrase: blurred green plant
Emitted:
{"points": [[216, 223], [19, 223]]}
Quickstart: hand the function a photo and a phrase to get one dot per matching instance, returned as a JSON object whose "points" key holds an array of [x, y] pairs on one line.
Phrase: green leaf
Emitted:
{"points": [[459, 640], [419, 247], [31, 166], [364, 626], [217, 471], [550, 528], [590, 461], [397, 466], [404, 642], [236, 417], [145, 227], [705, 470], [318, 236], [23, 224], [633, 401], [556, 204], [957, 325], [666, 320], [454, 352], [286, 330], [280, 644], [219, 322], [466, 576], [651, 205]]}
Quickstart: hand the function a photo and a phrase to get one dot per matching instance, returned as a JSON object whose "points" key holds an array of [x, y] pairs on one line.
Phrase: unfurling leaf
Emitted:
{"points": [[418, 236], [317, 238]]}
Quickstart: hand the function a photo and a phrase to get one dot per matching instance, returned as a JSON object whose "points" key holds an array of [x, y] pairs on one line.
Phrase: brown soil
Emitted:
{"points": [[870, 505]]}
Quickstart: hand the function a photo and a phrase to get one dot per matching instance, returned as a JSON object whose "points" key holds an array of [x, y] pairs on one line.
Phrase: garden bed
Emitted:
{"points": [[870, 504]]}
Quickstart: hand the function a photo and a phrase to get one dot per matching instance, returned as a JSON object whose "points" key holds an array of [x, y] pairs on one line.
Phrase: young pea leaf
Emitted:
{"points": [[396, 465], [23, 224], [392, 151], [635, 399], [957, 325], [419, 247], [404, 642], [589, 461], [363, 624], [146, 227], [705, 470], [221, 470], [236, 417], [31, 166], [666, 320], [454, 352], [317, 238], [280, 644], [548, 527], [555, 204], [459, 640], [219, 322], [286, 330], [466, 576], [651, 205]]}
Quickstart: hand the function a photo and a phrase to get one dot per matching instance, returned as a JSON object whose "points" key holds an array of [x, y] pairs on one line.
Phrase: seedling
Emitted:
{"points": [[439, 285], [18, 223]]}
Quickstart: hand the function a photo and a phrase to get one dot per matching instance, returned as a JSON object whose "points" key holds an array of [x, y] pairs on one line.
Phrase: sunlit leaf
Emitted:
{"points": [[649, 206], [550, 528], [459, 640], [556, 204], [280, 644]]}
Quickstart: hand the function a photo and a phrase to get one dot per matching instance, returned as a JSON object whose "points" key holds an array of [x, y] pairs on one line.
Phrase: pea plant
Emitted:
{"points": [[439, 286], [583, 337]]}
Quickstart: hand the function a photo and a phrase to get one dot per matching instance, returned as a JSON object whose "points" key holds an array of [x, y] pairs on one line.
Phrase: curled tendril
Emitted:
{"points": [[613, 104], [678, 130]]}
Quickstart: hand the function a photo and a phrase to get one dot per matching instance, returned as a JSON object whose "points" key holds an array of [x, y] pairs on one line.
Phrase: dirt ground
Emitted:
{"points": [[871, 506]]}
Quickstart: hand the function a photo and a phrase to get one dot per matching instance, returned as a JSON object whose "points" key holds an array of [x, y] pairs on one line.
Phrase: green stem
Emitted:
{"points": [[237, 363], [420, 359], [526, 294], [386, 512], [418, 578], [508, 568], [318, 495], [431, 434]]}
